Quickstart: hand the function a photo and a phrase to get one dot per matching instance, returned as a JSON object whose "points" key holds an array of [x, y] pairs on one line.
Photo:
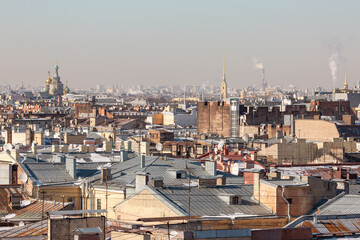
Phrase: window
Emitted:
{"points": [[98, 204], [289, 200], [235, 200], [70, 199], [178, 175]]}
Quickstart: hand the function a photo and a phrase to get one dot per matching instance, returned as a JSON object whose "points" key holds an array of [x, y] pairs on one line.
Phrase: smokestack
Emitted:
{"points": [[263, 79]]}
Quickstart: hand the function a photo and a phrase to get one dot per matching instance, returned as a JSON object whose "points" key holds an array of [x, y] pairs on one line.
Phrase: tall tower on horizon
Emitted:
{"points": [[346, 85], [223, 84]]}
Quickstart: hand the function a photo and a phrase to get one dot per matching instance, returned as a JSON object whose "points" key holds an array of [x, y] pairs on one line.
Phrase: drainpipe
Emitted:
{"points": [[89, 195], [83, 196], [288, 204], [38, 192]]}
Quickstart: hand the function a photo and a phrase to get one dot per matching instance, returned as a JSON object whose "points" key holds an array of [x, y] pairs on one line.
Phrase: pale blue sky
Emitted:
{"points": [[178, 42]]}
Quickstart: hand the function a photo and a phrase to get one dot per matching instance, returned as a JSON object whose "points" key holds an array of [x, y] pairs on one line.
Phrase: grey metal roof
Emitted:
{"points": [[25, 231], [208, 201], [124, 173], [343, 205], [354, 189], [284, 182], [42, 169], [88, 230]]}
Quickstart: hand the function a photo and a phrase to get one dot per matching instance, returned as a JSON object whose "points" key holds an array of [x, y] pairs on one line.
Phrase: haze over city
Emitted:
{"points": [[180, 42]]}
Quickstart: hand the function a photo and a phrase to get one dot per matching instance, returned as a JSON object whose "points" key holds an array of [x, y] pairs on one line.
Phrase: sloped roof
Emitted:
{"points": [[124, 173], [29, 230], [342, 205], [33, 212], [329, 225], [208, 202]]}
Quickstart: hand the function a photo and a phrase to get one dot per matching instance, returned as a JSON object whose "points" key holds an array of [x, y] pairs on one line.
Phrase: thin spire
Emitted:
{"points": [[224, 78], [346, 83]]}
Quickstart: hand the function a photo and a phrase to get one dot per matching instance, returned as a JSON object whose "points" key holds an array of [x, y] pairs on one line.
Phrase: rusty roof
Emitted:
{"points": [[4, 192], [32, 229], [166, 219], [33, 212], [329, 225]]}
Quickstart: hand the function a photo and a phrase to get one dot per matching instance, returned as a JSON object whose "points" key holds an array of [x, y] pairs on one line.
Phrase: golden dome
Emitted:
{"points": [[48, 80], [66, 90]]}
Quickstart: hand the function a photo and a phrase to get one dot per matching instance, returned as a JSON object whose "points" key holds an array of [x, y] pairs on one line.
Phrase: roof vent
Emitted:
{"points": [[177, 173], [105, 174], [158, 182], [207, 181], [231, 199]]}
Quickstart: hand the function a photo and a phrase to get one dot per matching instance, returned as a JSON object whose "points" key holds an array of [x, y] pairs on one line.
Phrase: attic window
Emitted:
{"points": [[235, 200], [178, 175]]}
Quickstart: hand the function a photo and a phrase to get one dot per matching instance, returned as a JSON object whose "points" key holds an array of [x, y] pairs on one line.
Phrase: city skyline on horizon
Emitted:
{"points": [[166, 42]]}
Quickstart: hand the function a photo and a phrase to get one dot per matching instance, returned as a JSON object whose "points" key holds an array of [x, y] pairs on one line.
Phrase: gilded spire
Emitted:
{"points": [[346, 83], [223, 84]]}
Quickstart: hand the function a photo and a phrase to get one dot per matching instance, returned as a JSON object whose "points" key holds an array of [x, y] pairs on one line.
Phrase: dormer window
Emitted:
{"points": [[234, 200]]}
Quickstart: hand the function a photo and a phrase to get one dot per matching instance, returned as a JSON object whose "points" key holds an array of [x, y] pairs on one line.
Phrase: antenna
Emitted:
{"points": [[159, 147], [23, 178]]}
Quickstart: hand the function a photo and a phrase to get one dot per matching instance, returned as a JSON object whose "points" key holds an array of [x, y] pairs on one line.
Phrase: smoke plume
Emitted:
{"points": [[335, 58], [257, 65]]}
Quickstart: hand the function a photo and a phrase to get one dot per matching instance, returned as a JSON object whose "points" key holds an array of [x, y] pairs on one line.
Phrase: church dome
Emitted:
{"points": [[48, 80], [66, 90]]}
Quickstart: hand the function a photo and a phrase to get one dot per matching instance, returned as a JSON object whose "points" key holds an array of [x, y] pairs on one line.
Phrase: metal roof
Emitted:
{"points": [[26, 231], [88, 230], [342, 205], [33, 212], [167, 219], [209, 201], [330, 225], [75, 212]]}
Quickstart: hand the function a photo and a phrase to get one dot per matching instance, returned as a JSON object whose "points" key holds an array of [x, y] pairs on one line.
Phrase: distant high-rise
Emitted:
{"points": [[223, 84]]}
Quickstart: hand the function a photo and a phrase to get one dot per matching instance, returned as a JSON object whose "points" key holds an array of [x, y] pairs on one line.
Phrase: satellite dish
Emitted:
{"points": [[23, 178], [221, 144], [159, 147]]}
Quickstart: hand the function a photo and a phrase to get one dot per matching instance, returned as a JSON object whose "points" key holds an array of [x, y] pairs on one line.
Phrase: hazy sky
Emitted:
{"points": [[179, 42]]}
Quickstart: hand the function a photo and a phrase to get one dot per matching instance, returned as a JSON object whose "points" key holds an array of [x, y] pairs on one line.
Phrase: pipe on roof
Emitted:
{"points": [[288, 204]]}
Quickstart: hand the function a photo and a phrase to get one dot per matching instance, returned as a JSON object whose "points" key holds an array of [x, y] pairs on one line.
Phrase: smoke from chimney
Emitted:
{"points": [[258, 65], [335, 58]]}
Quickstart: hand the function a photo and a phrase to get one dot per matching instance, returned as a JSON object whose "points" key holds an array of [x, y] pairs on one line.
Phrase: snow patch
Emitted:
{"points": [[11, 215], [98, 158], [25, 203]]}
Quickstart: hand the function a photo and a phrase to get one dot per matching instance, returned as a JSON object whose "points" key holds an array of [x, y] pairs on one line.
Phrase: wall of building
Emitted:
{"points": [[158, 119], [19, 137], [142, 205], [168, 118], [5, 173], [63, 228], [316, 130], [271, 196], [299, 152], [213, 118], [74, 139], [113, 197], [63, 193]]}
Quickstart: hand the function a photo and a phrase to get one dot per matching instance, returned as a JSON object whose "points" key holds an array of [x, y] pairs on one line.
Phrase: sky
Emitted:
{"points": [[165, 42]]}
